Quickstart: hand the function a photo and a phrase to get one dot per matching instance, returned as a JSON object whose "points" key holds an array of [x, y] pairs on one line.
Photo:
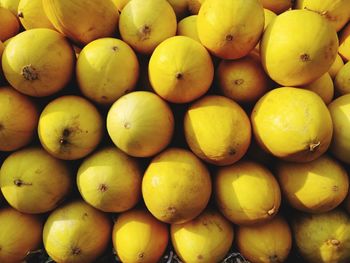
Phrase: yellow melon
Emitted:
{"points": [[83, 21], [335, 11], [217, 130], [70, 127], [32, 15], [19, 235], [180, 7], [145, 24], [188, 27], [336, 66], [101, 71], [180, 70], [277, 6], [33, 181], [18, 119], [205, 239], [314, 187], [342, 80], [110, 180], [323, 87], [42, 68], [11, 5], [323, 238], [344, 43], [9, 25], [193, 6], [243, 80], [230, 29], [269, 17], [293, 124], [265, 243], [294, 57], [76, 232], [233, 190], [340, 113], [139, 237], [140, 124], [176, 186]]}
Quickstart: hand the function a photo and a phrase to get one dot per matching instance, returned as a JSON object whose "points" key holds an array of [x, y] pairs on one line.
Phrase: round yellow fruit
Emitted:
{"points": [[243, 80], [33, 181], [70, 127], [292, 124], [217, 130], [233, 188], [205, 239], [180, 70], [11, 5], [313, 187], [269, 17], [101, 71], [140, 123], [323, 87], [32, 15], [18, 119], [340, 113], [294, 57], [336, 12], [188, 27], [110, 180], [19, 235], [42, 68], [342, 80], [277, 6], [344, 43], [336, 66], [230, 29], [176, 186], [265, 243], [145, 24], [83, 20], [323, 238], [139, 237], [9, 24], [76, 232]]}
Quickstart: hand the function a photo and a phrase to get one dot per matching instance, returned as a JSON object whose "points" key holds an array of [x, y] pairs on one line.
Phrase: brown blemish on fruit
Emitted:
{"points": [[20, 15], [238, 82], [314, 145], [305, 57], [231, 151], [30, 73], [127, 125], [179, 75], [64, 138], [274, 259], [199, 257], [141, 255], [335, 188], [144, 32], [103, 188], [172, 210], [271, 212], [19, 183], [333, 242], [229, 37], [76, 251], [115, 48]]}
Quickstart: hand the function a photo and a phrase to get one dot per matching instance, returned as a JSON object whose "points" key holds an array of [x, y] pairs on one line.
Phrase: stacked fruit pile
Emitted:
{"points": [[207, 125]]}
